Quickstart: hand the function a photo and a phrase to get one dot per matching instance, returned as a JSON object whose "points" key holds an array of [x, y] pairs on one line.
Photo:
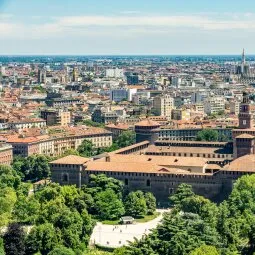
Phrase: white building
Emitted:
{"points": [[176, 81], [214, 105], [198, 97], [114, 73], [120, 94]]}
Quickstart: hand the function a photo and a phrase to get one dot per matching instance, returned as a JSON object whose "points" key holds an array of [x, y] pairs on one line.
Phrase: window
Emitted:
{"points": [[65, 177], [148, 183], [126, 182]]}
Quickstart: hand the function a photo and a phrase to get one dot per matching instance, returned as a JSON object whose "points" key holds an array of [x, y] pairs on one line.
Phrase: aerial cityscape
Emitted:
{"points": [[127, 131]]}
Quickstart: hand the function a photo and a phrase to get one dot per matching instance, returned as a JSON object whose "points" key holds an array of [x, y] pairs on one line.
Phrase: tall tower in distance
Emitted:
{"points": [[75, 74], [243, 62]]}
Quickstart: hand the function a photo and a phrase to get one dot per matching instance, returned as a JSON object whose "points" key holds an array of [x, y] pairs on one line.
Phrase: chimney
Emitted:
{"points": [[107, 158]]}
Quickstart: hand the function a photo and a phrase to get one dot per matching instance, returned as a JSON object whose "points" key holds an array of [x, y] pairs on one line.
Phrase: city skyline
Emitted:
{"points": [[126, 28]]}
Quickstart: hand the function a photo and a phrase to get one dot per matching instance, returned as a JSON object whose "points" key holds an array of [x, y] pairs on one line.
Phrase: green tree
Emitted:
{"points": [[125, 139], [182, 233], [150, 203], [8, 177], [70, 152], [108, 205], [42, 238], [86, 149], [183, 191], [91, 123], [62, 250], [205, 250], [87, 226], [14, 240], [69, 194], [32, 168], [26, 209], [70, 224], [1, 246], [101, 182], [208, 135], [8, 199], [135, 204]]}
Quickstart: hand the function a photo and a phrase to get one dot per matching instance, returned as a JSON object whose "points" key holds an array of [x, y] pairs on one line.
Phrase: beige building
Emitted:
{"points": [[180, 114], [6, 155], [56, 117], [163, 105], [214, 105], [234, 107], [56, 144]]}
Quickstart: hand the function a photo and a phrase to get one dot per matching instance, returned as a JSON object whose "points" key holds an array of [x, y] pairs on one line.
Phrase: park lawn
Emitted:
{"points": [[148, 218], [111, 222], [141, 220]]}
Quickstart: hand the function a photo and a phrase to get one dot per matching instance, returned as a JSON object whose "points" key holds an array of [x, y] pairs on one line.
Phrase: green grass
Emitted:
{"points": [[148, 218], [111, 222], [96, 252], [141, 220]]}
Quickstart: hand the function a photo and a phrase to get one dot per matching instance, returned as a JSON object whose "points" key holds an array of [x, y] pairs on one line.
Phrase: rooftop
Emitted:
{"points": [[147, 123], [71, 160], [242, 164]]}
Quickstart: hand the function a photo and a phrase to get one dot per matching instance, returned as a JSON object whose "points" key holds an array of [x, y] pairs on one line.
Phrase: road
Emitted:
{"points": [[116, 236]]}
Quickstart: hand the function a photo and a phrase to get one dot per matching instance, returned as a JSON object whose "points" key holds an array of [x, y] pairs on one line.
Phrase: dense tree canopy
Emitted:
{"points": [[62, 250], [125, 139], [197, 226], [14, 240], [108, 205], [135, 204], [205, 250], [62, 218], [208, 135], [32, 168]]}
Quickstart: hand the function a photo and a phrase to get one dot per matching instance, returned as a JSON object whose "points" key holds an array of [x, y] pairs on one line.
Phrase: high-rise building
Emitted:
{"points": [[163, 105], [132, 79], [75, 74], [41, 76]]}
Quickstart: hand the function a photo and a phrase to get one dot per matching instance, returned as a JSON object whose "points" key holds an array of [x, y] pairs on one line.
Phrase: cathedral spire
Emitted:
{"points": [[243, 57]]}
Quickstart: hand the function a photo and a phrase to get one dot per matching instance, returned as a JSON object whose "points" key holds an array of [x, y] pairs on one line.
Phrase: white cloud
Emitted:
{"points": [[115, 25]]}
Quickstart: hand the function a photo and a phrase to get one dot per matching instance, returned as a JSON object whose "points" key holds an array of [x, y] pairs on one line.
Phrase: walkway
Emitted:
{"points": [[116, 236]]}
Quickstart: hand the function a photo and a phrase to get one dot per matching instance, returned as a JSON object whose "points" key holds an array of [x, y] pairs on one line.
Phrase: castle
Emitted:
{"points": [[159, 166]]}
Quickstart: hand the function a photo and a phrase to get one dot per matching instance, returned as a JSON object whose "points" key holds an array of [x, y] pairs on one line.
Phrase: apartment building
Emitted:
{"points": [[26, 123], [56, 117], [6, 155], [57, 143], [163, 105], [214, 105]]}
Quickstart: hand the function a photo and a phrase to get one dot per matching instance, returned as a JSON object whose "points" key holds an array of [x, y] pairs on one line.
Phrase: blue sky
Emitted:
{"points": [[127, 27]]}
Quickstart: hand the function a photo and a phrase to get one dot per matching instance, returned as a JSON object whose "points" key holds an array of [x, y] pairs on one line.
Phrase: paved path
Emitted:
{"points": [[116, 236]]}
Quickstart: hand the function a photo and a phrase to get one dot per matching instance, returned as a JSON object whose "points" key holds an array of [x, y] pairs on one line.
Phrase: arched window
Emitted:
{"points": [[65, 177]]}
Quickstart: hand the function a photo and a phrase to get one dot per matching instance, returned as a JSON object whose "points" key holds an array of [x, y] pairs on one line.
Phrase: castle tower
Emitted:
{"points": [[244, 136], [147, 130], [245, 115]]}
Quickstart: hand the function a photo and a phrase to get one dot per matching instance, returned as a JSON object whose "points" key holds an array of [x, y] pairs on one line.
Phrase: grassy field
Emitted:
{"points": [[141, 220], [148, 218]]}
